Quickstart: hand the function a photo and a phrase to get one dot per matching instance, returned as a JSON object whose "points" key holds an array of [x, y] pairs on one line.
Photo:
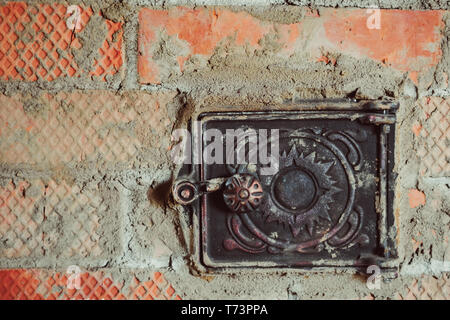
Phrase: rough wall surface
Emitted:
{"points": [[87, 112]]}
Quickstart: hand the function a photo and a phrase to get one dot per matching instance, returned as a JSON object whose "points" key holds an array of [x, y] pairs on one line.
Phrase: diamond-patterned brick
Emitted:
{"points": [[434, 140], [156, 289], [110, 53], [29, 210], [18, 221], [37, 44], [427, 288], [41, 284], [74, 127]]}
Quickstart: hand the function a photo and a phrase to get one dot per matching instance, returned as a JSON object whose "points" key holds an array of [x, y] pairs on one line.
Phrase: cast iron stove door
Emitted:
{"points": [[321, 196]]}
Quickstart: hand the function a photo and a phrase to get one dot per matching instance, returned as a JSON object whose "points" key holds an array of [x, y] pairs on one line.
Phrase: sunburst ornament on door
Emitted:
{"points": [[301, 193]]}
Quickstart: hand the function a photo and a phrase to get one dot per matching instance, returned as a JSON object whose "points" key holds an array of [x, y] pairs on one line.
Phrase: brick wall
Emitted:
{"points": [[91, 92]]}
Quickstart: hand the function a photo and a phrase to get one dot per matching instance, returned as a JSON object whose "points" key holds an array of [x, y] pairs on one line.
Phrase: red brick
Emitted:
{"points": [[74, 127], [35, 43], [202, 30], [407, 40], [110, 52], [41, 284]]}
